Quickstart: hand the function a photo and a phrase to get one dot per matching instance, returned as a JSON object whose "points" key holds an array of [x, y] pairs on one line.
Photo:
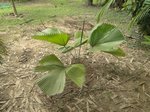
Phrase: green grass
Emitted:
{"points": [[44, 11], [50, 10]]}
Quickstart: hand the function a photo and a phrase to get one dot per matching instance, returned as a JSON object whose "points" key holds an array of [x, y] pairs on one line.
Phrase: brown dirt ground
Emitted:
{"points": [[112, 85]]}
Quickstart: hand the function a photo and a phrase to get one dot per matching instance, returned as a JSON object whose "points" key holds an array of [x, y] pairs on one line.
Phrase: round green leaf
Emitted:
{"points": [[54, 82], [106, 38], [146, 40]]}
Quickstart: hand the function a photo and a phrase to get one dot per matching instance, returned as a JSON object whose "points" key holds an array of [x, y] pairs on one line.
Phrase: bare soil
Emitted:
{"points": [[112, 85]]}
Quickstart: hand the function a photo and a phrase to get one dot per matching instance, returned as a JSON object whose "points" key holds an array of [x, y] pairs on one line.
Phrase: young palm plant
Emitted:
{"points": [[104, 37]]}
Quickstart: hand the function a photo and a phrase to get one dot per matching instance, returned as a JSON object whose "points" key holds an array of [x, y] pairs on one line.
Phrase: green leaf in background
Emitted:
{"points": [[76, 73], [103, 10], [141, 14], [106, 38], [54, 36], [147, 40]]}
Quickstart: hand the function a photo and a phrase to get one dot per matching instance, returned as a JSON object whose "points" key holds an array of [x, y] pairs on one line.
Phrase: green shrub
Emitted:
{"points": [[140, 10]]}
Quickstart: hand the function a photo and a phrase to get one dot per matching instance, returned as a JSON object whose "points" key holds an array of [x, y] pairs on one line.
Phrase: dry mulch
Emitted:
{"points": [[112, 85]]}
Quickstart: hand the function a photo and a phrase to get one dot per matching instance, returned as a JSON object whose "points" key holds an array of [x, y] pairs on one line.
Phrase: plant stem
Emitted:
{"points": [[81, 38], [14, 8], [70, 53]]}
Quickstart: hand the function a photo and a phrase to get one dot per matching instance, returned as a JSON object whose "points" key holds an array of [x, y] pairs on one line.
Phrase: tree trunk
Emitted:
{"points": [[14, 8], [90, 2]]}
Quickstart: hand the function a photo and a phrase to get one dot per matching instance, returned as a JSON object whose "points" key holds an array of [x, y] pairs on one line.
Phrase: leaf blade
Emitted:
{"points": [[54, 36], [50, 60], [76, 73], [53, 83], [106, 38]]}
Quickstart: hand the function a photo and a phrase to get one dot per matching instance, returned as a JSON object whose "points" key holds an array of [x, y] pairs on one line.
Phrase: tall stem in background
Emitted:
{"points": [[14, 8], [81, 37]]}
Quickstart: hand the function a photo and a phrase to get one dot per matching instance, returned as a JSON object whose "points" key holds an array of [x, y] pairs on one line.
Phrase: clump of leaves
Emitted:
{"points": [[140, 10], [54, 82], [146, 40], [141, 15], [103, 10], [104, 37]]}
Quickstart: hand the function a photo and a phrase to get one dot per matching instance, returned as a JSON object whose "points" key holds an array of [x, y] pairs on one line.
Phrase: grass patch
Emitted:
{"points": [[50, 10], [44, 11]]}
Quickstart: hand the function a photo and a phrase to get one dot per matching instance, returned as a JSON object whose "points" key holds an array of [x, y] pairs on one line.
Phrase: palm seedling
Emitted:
{"points": [[104, 37]]}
